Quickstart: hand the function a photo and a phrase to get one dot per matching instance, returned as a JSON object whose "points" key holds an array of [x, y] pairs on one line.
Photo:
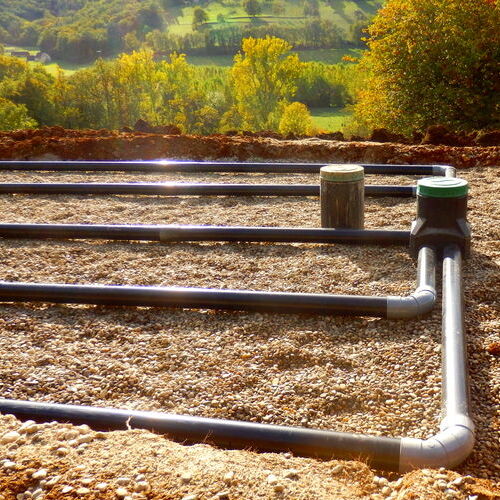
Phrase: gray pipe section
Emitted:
{"points": [[197, 166], [455, 441], [171, 234], [379, 452], [205, 298], [448, 448], [185, 189], [423, 299]]}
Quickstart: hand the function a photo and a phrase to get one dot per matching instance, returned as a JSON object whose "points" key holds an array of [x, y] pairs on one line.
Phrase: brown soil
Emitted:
{"points": [[56, 142], [293, 370]]}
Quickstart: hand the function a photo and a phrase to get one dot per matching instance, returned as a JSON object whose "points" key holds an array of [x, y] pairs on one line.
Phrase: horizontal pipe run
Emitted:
{"points": [[203, 233], [379, 452], [420, 302], [185, 189], [195, 298], [197, 166]]}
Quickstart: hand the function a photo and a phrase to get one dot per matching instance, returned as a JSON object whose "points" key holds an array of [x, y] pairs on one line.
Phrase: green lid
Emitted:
{"points": [[442, 187], [342, 173]]}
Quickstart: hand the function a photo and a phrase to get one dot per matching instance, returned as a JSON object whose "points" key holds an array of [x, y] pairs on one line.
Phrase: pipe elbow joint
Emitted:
{"points": [[449, 448], [420, 302]]}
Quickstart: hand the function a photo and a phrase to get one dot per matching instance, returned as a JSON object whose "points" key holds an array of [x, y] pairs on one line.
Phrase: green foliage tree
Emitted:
{"points": [[432, 61], [252, 7], [14, 116], [296, 119], [199, 17], [263, 78]]}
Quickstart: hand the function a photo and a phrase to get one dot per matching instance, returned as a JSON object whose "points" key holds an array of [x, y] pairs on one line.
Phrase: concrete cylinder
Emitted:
{"points": [[342, 195]]}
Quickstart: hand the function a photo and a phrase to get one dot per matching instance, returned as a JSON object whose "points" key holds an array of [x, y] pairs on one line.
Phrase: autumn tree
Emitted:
{"points": [[14, 116], [263, 80], [252, 7], [432, 61], [296, 119], [199, 17]]}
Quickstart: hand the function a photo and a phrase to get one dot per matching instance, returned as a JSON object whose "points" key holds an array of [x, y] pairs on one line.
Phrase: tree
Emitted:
{"points": [[199, 17], [252, 7], [296, 119], [432, 61], [14, 116], [263, 79]]}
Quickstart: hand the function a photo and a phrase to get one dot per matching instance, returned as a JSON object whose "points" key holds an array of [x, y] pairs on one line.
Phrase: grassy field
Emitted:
{"points": [[341, 12], [330, 119]]}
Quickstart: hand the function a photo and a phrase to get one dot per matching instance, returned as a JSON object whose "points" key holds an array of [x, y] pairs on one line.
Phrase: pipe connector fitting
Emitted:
{"points": [[420, 302], [449, 448], [444, 170]]}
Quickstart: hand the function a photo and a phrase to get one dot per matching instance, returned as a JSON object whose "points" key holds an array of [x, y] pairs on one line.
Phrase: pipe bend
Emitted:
{"points": [[449, 448], [444, 170], [420, 302]]}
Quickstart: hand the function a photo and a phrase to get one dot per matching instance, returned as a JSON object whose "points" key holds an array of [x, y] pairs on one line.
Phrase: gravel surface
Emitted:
{"points": [[347, 374]]}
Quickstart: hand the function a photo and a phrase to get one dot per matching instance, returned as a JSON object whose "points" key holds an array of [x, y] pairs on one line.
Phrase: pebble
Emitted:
{"points": [[66, 489], [190, 497], [101, 486], [52, 480], [337, 469], [121, 492], [28, 427], [142, 486], [86, 481], [186, 477], [62, 451], [10, 437], [228, 477], [123, 481], [386, 490], [272, 479], [9, 465], [291, 474], [82, 491], [39, 474]]}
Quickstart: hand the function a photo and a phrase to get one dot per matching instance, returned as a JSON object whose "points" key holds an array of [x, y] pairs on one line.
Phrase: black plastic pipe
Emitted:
{"points": [[195, 298], [198, 166], [203, 233], [185, 189], [379, 452]]}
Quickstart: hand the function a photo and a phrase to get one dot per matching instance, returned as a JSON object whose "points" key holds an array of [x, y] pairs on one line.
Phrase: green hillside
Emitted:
{"points": [[80, 31]]}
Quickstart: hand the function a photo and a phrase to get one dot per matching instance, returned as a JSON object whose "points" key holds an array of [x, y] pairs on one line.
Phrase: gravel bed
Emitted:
{"points": [[347, 374]]}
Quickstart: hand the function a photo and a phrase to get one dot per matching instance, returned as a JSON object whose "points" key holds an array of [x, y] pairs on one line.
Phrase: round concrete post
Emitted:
{"points": [[342, 195]]}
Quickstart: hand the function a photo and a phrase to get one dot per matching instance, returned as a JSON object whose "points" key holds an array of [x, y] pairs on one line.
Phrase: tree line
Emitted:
{"points": [[81, 31], [428, 62], [254, 94]]}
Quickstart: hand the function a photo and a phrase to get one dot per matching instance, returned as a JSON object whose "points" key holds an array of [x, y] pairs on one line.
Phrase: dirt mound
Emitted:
{"points": [[56, 142]]}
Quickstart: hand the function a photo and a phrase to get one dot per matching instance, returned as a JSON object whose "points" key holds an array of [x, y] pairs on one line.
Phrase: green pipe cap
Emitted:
{"points": [[342, 173], [442, 187]]}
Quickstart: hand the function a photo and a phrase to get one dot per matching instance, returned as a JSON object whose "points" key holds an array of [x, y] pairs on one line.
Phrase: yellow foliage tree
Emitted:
{"points": [[432, 61], [263, 78], [296, 119]]}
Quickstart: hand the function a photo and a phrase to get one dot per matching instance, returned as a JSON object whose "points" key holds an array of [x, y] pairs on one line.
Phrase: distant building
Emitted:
{"points": [[20, 54], [43, 57]]}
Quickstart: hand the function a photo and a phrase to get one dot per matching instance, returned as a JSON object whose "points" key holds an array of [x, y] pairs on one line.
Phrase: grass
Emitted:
{"points": [[343, 13], [330, 119]]}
